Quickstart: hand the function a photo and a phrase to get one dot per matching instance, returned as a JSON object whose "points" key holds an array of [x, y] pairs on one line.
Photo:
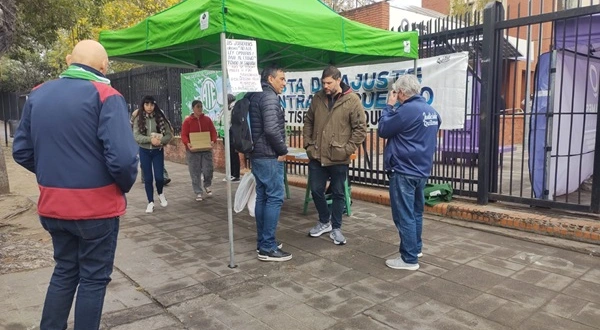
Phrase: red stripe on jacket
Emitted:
{"points": [[105, 90], [81, 204]]}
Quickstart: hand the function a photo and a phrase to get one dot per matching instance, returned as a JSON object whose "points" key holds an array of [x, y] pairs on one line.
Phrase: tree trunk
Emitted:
{"points": [[4, 187]]}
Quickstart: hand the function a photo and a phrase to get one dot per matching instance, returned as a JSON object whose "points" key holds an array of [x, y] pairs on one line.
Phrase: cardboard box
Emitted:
{"points": [[200, 141]]}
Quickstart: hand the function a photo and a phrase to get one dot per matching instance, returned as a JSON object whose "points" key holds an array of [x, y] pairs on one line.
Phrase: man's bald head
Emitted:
{"points": [[90, 53]]}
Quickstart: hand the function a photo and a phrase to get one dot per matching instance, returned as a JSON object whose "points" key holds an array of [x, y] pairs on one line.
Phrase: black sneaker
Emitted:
{"points": [[277, 255], [279, 246], [167, 181], [235, 180]]}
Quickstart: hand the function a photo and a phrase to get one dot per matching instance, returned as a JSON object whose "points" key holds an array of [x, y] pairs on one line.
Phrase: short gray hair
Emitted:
{"points": [[408, 84]]}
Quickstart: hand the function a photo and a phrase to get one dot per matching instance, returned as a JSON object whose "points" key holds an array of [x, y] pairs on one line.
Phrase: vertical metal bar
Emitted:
{"points": [[227, 153], [171, 112], [526, 109], [499, 71], [595, 203], [490, 15], [572, 110], [585, 111], [549, 125], [2, 98], [129, 97]]}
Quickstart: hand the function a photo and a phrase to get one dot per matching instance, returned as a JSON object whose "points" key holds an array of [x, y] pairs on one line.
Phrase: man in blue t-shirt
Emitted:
{"points": [[411, 132]]}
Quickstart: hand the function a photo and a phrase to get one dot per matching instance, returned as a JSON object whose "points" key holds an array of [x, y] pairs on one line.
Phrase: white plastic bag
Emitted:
{"points": [[252, 202], [245, 188]]}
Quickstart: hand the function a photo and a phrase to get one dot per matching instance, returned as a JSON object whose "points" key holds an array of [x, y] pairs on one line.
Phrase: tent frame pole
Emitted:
{"points": [[227, 149]]}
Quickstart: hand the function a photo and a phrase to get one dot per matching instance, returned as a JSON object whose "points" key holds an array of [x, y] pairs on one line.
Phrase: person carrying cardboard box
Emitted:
{"points": [[199, 135]]}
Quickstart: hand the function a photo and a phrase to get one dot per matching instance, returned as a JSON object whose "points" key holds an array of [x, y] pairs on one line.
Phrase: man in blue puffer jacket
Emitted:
{"points": [[75, 136], [411, 132], [267, 123]]}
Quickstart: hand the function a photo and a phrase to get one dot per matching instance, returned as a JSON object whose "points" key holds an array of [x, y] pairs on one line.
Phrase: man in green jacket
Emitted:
{"points": [[334, 127]]}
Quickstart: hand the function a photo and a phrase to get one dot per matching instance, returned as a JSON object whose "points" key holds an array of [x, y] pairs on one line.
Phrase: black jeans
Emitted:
{"points": [[318, 180], [235, 162]]}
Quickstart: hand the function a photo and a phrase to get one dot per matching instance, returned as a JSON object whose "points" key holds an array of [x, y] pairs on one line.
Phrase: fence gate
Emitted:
{"points": [[539, 104]]}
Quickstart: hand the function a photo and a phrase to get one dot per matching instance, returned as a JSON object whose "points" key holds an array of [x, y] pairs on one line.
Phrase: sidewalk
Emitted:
{"points": [[172, 273]]}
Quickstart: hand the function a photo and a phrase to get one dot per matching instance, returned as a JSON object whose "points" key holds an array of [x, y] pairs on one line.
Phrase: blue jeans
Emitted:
{"points": [[84, 251], [152, 159], [408, 201], [268, 174], [318, 179]]}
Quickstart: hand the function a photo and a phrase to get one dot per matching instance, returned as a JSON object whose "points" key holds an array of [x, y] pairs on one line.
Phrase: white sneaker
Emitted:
{"points": [[163, 200], [398, 263], [420, 255], [208, 192], [230, 178], [150, 207], [199, 197]]}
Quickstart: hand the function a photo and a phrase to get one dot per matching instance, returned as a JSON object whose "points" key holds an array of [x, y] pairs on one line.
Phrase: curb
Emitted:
{"points": [[582, 230]]}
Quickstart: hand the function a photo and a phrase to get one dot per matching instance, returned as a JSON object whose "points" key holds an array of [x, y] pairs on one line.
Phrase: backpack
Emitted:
{"points": [[240, 132], [437, 193]]}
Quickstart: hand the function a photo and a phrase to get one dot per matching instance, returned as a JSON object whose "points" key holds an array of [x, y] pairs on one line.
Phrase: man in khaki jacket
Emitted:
{"points": [[334, 127]]}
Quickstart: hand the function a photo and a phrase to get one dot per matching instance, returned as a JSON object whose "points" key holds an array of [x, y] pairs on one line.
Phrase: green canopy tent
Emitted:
{"points": [[295, 34]]}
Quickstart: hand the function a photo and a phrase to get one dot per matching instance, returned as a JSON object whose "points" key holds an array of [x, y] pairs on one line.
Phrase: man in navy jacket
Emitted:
{"points": [[267, 123], [411, 132], [75, 136]]}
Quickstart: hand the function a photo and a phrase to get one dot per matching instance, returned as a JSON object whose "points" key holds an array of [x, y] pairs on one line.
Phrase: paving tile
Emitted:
{"points": [[497, 266], [406, 301], [200, 319], [523, 293], [310, 317], [589, 315], [151, 323], [473, 277], [374, 289], [360, 322], [564, 306], [473, 246], [439, 262], [408, 279], [394, 319], [512, 314], [584, 290], [592, 275], [229, 314], [295, 290], [484, 305], [330, 298], [543, 321], [555, 282], [448, 292], [262, 309], [530, 275], [252, 294], [458, 319], [130, 315], [187, 293], [552, 264]]}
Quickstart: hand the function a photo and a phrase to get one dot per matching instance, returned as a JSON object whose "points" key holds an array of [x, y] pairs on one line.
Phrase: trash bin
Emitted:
{"points": [[12, 126]]}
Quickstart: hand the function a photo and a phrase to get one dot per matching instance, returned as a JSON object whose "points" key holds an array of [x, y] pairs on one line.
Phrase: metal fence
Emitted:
{"points": [[163, 83], [11, 105], [550, 136]]}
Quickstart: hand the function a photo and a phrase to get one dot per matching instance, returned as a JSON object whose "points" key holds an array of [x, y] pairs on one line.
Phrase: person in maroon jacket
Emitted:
{"points": [[200, 163]]}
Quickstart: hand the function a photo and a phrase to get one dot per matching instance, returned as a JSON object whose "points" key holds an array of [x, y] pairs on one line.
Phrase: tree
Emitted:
{"points": [[7, 25], [342, 5], [462, 7]]}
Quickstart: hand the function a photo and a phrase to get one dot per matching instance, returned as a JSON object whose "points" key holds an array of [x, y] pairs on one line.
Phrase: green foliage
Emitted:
{"points": [[462, 7], [46, 31]]}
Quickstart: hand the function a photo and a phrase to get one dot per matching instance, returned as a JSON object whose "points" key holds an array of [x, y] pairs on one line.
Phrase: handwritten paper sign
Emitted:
{"points": [[241, 66]]}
